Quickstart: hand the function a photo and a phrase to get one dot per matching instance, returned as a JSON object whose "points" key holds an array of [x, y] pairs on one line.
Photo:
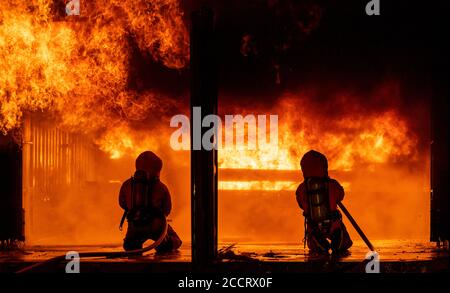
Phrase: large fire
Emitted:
{"points": [[372, 151], [77, 69], [78, 66], [375, 137]]}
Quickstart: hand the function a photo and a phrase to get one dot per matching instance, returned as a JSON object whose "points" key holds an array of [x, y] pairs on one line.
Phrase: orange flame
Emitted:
{"points": [[78, 68], [377, 137]]}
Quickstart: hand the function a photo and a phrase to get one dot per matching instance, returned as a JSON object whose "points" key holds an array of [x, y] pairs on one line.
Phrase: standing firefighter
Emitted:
{"points": [[146, 201], [318, 197]]}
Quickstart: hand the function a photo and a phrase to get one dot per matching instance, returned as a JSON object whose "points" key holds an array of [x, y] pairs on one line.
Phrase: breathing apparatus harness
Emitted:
{"points": [[141, 210], [318, 216]]}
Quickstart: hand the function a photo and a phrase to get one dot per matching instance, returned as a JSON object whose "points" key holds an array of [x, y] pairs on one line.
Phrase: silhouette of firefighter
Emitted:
{"points": [[318, 196], [146, 202]]}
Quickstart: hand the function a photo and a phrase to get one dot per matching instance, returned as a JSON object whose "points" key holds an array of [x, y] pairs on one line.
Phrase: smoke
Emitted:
{"points": [[71, 194], [105, 74], [82, 74], [376, 147]]}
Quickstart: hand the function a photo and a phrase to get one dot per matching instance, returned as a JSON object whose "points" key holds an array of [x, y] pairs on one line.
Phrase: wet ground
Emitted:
{"points": [[388, 250], [400, 253]]}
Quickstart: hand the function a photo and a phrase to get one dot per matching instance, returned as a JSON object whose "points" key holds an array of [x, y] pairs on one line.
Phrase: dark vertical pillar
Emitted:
{"points": [[11, 212], [439, 162], [203, 162], [439, 132]]}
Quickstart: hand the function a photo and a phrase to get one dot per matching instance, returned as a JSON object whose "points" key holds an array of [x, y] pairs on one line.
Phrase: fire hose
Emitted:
{"points": [[356, 226], [106, 254]]}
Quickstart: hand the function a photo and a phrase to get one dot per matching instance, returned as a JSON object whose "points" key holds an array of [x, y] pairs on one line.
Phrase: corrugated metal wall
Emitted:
{"points": [[54, 161]]}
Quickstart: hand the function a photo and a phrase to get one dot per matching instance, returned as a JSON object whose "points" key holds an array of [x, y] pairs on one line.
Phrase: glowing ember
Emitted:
{"points": [[258, 185], [265, 185]]}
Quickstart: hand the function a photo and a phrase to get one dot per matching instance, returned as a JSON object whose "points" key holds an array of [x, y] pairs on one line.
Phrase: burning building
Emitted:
{"points": [[82, 96]]}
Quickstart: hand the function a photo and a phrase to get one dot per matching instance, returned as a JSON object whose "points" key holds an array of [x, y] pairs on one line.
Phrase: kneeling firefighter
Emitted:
{"points": [[146, 202], [318, 197]]}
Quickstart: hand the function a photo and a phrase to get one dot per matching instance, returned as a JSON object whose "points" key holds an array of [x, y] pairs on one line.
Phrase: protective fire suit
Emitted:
{"points": [[318, 196], [146, 200]]}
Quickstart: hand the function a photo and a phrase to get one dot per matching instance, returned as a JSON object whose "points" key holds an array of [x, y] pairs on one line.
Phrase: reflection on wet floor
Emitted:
{"points": [[388, 250]]}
